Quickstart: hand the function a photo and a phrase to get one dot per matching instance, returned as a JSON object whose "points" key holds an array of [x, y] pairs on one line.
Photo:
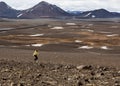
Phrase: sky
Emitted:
{"points": [[73, 5]]}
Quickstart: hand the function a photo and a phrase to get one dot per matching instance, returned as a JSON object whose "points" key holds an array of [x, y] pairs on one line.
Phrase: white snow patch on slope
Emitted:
{"points": [[87, 30], [57, 28], [19, 15], [93, 16], [104, 47], [85, 47], [70, 24], [112, 35], [37, 35], [37, 45], [87, 14], [78, 41]]}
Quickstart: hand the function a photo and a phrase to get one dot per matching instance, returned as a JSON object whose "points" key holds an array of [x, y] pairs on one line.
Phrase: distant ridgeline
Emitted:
{"points": [[46, 10]]}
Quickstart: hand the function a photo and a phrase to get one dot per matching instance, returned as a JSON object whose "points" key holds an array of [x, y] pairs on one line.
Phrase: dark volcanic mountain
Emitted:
{"points": [[116, 14], [43, 9], [75, 13], [100, 13], [6, 11]]}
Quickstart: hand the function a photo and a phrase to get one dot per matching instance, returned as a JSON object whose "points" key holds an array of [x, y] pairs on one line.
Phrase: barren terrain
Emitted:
{"points": [[64, 42], [14, 73]]}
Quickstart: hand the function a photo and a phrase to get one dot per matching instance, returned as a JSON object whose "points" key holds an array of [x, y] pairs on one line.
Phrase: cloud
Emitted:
{"points": [[81, 5]]}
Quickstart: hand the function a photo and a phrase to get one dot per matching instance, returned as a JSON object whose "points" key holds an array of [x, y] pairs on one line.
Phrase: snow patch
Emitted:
{"points": [[19, 15], [87, 14], [78, 41], [70, 24], [85, 47], [37, 35], [57, 28], [93, 16], [37, 45], [87, 30], [112, 35], [104, 47]]}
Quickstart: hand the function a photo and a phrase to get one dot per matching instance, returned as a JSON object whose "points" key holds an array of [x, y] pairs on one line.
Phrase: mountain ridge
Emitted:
{"points": [[47, 10], [43, 9], [6, 11], [98, 13]]}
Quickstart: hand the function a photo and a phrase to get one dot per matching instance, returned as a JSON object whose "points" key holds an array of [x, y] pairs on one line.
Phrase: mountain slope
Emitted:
{"points": [[43, 9], [100, 13], [6, 11]]}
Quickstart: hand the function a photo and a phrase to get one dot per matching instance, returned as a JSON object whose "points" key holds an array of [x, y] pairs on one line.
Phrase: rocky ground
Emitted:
{"points": [[71, 52], [47, 74]]}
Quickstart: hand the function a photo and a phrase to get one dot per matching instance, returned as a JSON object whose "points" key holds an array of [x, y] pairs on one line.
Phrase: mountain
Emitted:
{"points": [[6, 11], [116, 14], [43, 9], [100, 13], [75, 13]]}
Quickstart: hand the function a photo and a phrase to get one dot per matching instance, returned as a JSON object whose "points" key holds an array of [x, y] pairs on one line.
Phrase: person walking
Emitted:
{"points": [[35, 54]]}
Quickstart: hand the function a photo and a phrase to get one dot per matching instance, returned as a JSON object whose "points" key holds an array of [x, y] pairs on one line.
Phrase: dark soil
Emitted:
{"points": [[47, 74]]}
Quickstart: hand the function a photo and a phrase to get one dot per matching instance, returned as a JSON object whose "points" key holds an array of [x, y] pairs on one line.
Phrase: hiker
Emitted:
{"points": [[35, 54]]}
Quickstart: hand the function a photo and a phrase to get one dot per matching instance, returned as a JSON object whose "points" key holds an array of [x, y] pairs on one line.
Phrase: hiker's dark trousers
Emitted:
{"points": [[36, 58]]}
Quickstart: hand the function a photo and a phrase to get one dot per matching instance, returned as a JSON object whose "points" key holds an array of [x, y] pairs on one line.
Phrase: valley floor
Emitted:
{"points": [[71, 53]]}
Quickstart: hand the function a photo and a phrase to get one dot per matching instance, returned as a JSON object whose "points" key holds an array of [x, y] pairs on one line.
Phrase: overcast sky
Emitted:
{"points": [[80, 5]]}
